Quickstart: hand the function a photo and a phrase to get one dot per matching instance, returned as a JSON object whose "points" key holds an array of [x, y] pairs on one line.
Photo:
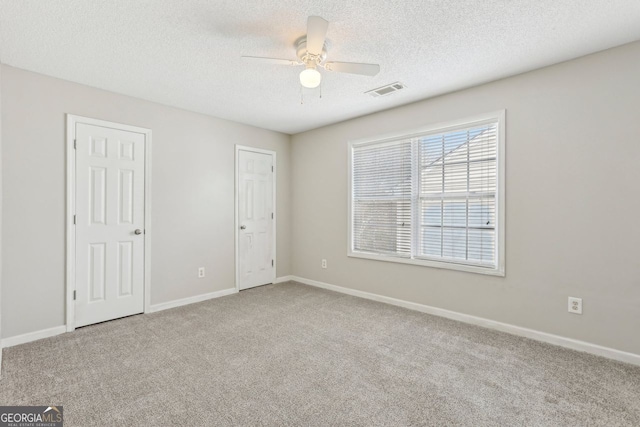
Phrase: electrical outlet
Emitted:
{"points": [[200, 272], [575, 305], [324, 263]]}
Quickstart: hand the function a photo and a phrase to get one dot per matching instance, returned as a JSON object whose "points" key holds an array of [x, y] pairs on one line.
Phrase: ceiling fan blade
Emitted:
{"points": [[316, 33], [274, 61], [353, 68]]}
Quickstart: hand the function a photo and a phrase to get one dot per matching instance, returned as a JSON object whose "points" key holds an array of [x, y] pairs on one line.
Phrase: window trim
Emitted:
{"points": [[494, 116]]}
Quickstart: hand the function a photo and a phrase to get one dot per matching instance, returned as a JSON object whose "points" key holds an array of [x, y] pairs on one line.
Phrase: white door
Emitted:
{"points": [[109, 223], [256, 264]]}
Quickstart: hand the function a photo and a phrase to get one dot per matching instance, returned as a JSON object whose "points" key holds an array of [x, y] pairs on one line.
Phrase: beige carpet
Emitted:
{"points": [[290, 354]]}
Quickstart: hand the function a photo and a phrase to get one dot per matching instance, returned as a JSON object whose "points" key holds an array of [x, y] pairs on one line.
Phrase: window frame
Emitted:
{"points": [[450, 126]]}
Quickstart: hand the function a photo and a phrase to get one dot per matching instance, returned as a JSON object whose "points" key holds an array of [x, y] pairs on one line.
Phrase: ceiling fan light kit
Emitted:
{"points": [[310, 78], [312, 51]]}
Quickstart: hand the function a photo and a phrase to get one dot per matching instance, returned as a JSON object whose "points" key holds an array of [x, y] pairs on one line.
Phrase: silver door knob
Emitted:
{"points": [[138, 231], [243, 227]]}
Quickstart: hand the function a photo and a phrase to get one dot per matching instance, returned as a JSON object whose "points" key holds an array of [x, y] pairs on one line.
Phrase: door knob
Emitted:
{"points": [[138, 231], [243, 227]]}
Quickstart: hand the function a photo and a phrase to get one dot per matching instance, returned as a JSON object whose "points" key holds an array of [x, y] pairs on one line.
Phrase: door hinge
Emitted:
{"points": [[271, 263], [74, 295], [271, 168], [271, 215], [74, 220], [75, 144]]}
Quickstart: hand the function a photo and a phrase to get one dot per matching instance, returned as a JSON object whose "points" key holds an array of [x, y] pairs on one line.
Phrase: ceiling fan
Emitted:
{"points": [[312, 52]]}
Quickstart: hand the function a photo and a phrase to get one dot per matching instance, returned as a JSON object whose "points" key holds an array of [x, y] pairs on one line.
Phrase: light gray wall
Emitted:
{"points": [[1, 215], [192, 196], [573, 202]]}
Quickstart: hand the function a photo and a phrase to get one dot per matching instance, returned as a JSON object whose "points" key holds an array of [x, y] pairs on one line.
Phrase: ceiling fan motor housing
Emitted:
{"points": [[306, 57]]}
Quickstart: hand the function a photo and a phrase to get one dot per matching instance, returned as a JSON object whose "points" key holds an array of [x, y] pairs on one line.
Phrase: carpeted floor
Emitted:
{"points": [[290, 354]]}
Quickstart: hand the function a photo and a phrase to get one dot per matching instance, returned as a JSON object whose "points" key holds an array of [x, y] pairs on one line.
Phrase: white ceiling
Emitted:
{"points": [[186, 53]]}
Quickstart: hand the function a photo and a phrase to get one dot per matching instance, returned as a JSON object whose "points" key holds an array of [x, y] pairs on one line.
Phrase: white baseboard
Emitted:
{"points": [[191, 300], [46, 333], [33, 336], [283, 279], [571, 343]]}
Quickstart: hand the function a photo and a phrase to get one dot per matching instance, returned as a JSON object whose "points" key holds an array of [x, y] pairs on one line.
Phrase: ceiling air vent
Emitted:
{"points": [[386, 90]]}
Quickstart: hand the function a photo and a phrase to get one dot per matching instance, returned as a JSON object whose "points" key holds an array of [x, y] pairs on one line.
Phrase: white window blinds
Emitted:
{"points": [[382, 198], [431, 196], [457, 195]]}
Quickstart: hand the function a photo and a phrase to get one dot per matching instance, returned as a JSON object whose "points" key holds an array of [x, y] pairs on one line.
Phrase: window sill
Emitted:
{"points": [[430, 263]]}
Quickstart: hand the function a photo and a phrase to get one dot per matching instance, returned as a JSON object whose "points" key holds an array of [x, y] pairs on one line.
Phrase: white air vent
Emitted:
{"points": [[386, 90]]}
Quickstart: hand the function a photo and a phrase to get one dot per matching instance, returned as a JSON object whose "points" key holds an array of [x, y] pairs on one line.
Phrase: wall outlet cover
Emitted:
{"points": [[575, 305]]}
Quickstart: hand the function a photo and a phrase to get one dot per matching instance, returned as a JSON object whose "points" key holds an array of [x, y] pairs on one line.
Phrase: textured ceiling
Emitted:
{"points": [[186, 53]]}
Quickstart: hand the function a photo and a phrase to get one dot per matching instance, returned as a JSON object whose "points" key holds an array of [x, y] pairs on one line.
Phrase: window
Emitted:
{"points": [[431, 197]]}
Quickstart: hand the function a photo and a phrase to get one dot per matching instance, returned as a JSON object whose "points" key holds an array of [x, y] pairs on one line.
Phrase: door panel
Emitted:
{"points": [[255, 217], [109, 208]]}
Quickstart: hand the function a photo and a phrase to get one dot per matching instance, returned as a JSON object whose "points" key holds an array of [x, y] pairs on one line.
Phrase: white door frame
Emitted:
{"points": [[70, 284], [275, 213]]}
